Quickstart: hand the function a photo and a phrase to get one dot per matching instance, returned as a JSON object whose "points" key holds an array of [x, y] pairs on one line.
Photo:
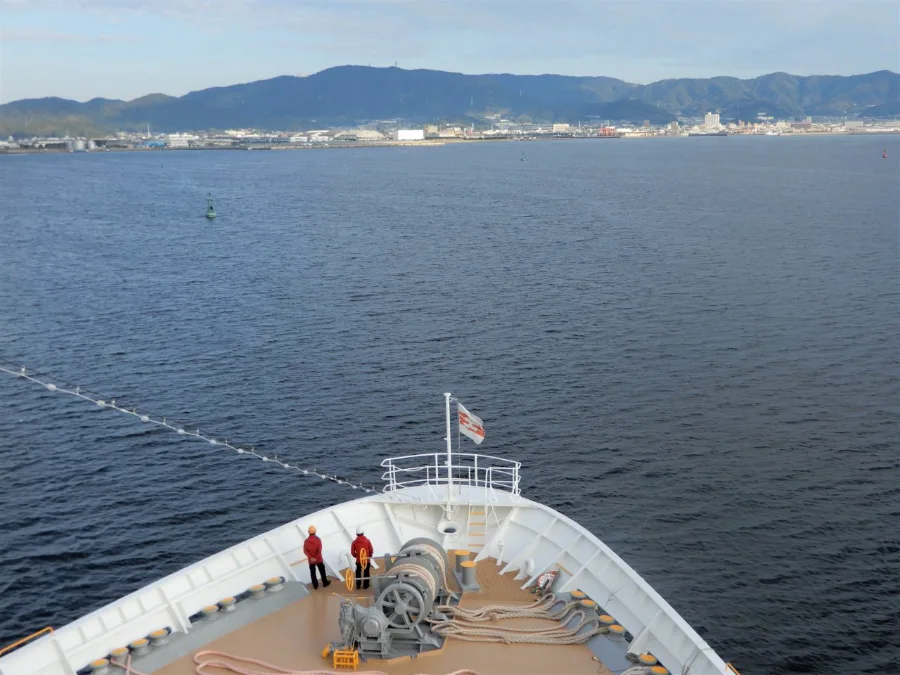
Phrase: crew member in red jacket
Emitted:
{"points": [[360, 544], [312, 547]]}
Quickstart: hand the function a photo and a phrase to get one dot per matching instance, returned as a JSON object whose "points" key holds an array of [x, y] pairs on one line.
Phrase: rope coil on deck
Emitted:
{"points": [[586, 624], [551, 635], [540, 609]]}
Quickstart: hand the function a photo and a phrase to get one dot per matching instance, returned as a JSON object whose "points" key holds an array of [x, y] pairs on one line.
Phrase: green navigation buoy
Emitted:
{"points": [[210, 211]]}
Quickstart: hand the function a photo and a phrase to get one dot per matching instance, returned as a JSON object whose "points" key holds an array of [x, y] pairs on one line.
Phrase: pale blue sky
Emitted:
{"points": [[126, 48]]}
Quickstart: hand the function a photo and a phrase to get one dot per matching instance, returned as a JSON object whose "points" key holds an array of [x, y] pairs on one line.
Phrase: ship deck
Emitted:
{"points": [[292, 636], [289, 625]]}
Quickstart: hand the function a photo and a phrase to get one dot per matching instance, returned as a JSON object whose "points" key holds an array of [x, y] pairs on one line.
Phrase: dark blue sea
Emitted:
{"points": [[691, 345]]}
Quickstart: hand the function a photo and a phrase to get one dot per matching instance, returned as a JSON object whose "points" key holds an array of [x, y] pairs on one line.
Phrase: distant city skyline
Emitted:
{"points": [[82, 49]]}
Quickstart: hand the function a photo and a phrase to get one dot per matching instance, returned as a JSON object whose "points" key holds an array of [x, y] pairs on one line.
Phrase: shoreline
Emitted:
{"points": [[428, 143]]}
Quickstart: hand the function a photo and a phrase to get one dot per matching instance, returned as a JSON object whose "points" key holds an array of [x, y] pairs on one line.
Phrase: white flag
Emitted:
{"points": [[470, 425]]}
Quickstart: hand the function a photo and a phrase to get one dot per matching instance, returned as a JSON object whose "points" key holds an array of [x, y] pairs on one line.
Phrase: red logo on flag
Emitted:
{"points": [[470, 425]]}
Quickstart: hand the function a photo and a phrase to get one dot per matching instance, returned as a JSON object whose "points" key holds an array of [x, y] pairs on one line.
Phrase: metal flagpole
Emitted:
{"points": [[449, 455]]}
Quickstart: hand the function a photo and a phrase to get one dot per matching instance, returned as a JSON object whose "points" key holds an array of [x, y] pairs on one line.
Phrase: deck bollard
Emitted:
{"points": [[160, 637], [99, 666], [274, 584], [119, 655], [468, 573], [605, 622], [140, 646], [462, 555], [210, 612]]}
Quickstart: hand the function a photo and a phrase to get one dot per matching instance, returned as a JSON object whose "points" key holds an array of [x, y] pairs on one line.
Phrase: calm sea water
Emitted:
{"points": [[691, 345]]}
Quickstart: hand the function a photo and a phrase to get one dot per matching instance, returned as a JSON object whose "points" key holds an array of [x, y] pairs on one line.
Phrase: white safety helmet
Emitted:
{"points": [[359, 529]]}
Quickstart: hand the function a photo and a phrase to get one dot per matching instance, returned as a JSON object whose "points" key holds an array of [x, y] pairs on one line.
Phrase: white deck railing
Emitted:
{"points": [[468, 469]]}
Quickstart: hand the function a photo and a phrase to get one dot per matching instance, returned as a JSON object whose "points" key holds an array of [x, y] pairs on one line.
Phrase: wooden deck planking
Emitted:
{"points": [[293, 638]]}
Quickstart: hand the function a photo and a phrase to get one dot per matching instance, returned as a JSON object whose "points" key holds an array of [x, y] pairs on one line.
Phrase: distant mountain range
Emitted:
{"points": [[350, 95]]}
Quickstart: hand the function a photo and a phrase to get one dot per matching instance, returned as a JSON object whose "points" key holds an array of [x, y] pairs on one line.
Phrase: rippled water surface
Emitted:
{"points": [[691, 345]]}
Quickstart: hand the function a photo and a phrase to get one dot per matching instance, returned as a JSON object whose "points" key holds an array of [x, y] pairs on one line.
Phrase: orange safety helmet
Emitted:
{"points": [[312, 529]]}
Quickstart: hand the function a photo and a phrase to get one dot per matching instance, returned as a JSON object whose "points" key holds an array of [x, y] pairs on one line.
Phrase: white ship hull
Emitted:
{"points": [[525, 537]]}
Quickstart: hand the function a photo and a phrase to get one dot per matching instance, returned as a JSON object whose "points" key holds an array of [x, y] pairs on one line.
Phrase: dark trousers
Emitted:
{"points": [[312, 574], [362, 575]]}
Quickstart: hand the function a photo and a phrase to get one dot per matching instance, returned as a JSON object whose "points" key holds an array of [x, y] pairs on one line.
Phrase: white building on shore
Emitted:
{"points": [[409, 135], [180, 140]]}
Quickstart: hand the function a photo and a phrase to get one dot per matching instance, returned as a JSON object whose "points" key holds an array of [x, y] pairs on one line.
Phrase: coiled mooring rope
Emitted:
{"points": [[465, 623], [434, 553], [560, 634], [540, 609], [417, 571]]}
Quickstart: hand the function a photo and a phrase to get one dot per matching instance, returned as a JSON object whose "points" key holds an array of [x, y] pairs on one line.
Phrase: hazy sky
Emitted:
{"points": [[126, 48]]}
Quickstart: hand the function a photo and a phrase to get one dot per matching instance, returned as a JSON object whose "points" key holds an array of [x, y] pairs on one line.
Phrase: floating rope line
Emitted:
{"points": [[148, 418]]}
